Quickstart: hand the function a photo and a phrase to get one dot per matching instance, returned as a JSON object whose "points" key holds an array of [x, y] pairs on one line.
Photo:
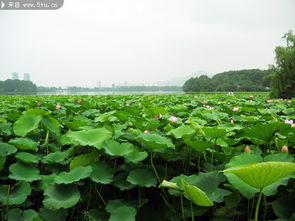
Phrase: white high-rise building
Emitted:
{"points": [[15, 76], [27, 77]]}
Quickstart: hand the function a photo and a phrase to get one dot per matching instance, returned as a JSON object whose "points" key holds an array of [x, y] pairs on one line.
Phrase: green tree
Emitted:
{"points": [[283, 82]]}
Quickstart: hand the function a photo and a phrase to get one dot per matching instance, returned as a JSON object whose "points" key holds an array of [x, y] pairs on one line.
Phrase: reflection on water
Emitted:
{"points": [[64, 92]]}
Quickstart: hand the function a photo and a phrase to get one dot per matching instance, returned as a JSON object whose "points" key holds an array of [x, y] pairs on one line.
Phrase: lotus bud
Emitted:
{"points": [[79, 101], [285, 149], [147, 131], [127, 105], [247, 149], [235, 109], [251, 96], [232, 121], [158, 116], [205, 102], [57, 107]]}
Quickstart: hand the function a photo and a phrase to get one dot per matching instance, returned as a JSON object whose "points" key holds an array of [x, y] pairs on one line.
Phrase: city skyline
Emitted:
{"points": [[143, 41]]}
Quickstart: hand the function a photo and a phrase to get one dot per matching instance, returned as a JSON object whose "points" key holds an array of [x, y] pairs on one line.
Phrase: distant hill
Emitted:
{"points": [[179, 81], [239, 80]]}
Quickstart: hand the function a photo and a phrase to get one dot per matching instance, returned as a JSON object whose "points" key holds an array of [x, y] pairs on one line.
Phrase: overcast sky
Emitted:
{"points": [[141, 41]]}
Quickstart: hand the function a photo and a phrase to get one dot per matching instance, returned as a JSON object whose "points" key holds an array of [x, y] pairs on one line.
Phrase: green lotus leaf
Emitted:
{"points": [[264, 132], [6, 149], [260, 175], [183, 131], [37, 112], [246, 190], [284, 206], [46, 180], [26, 215], [84, 159], [98, 215], [155, 141], [120, 211], [61, 196], [196, 195], [142, 177], [74, 175], [136, 156], [55, 157], [17, 193], [51, 124], [24, 144], [214, 132], [92, 137], [78, 122], [27, 157], [155, 110], [57, 215], [124, 213], [26, 123], [199, 145], [25, 172], [243, 159], [114, 148], [101, 173], [2, 162], [21, 215], [120, 181], [178, 181], [208, 183]]}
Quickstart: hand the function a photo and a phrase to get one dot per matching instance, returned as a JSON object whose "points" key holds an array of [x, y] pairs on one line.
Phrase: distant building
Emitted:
{"points": [[15, 76], [27, 77], [99, 84]]}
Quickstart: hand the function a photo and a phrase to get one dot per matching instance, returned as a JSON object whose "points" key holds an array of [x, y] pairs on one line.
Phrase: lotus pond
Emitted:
{"points": [[147, 157]]}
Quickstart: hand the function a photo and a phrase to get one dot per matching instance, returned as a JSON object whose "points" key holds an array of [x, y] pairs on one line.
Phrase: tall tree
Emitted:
{"points": [[283, 82]]}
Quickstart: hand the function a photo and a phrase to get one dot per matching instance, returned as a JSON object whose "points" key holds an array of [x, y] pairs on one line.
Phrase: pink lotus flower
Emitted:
{"points": [[235, 109], [208, 107], [251, 101], [285, 149], [251, 96], [205, 102], [79, 101], [289, 121], [269, 101], [173, 119], [39, 103], [158, 116], [247, 149], [147, 131], [57, 107], [289, 101]]}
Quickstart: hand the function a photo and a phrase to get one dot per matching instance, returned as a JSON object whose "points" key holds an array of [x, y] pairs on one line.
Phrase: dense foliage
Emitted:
{"points": [[241, 80], [283, 83], [13, 86], [160, 157]]}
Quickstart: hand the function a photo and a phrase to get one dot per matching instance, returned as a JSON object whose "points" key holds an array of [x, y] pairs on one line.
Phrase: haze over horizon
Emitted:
{"points": [[141, 41]]}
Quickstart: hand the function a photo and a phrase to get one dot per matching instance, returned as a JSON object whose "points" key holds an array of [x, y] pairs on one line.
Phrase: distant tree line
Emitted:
{"points": [[17, 86], [283, 81], [240, 80], [114, 88]]}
